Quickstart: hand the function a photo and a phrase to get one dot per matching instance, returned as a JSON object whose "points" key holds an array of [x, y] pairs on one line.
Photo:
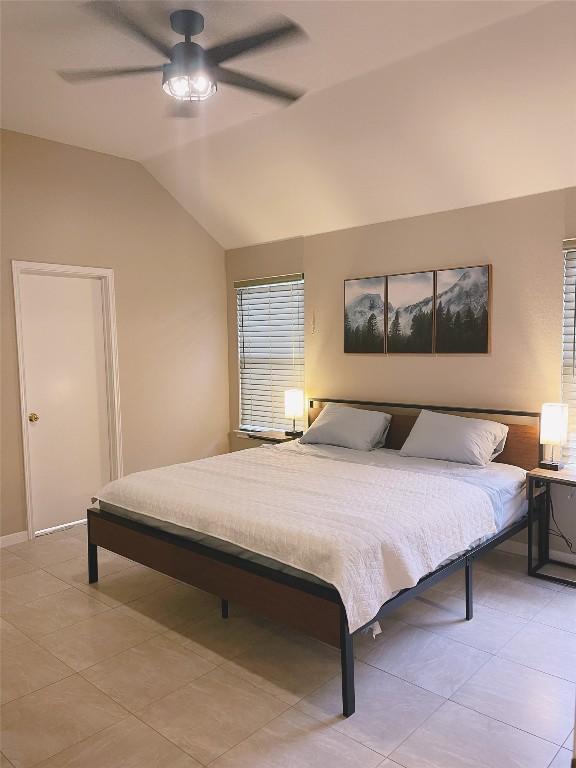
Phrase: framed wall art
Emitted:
{"points": [[462, 310], [411, 312], [364, 321]]}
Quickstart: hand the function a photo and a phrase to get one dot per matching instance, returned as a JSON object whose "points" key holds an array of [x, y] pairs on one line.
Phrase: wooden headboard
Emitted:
{"points": [[522, 445]]}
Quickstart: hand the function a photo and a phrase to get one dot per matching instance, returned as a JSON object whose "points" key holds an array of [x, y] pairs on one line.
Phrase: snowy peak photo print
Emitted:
{"points": [[364, 314], [462, 306], [410, 312]]}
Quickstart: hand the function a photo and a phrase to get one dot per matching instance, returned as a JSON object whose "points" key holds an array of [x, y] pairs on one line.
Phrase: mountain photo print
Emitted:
{"points": [[364, 314], [462, 302], [410, 312]]}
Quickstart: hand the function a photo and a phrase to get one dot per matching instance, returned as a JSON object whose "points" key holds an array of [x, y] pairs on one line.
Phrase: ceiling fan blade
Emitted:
{"points": [[264, 37], [112, 12], [84, 75], [240, 80]]}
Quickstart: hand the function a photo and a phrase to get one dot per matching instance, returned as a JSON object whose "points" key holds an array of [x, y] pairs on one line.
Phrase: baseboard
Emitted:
{"points": [[519, 548], [13, 538], [63, 527]]}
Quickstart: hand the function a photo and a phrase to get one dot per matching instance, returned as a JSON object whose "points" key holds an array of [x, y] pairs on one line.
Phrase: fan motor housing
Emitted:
{"points": [[187, 57]]}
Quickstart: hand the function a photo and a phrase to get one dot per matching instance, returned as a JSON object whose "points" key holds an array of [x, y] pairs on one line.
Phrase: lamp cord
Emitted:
{"points": [[557, 531]]}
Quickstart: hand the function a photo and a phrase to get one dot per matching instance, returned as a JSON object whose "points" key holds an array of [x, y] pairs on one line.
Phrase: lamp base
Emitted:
{"points": [[289, 433], [553, 466]]}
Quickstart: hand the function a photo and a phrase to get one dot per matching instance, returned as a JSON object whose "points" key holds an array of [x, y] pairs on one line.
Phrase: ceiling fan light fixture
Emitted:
{"points": [[194, 86]]}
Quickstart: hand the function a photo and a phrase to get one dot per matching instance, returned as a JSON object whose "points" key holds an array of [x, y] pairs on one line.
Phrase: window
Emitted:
{"points": [[569, 349], [270, 349]]}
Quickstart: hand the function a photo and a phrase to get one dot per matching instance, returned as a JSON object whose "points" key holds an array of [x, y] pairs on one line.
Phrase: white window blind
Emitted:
{"points": [[270, 349], [569, 351]]}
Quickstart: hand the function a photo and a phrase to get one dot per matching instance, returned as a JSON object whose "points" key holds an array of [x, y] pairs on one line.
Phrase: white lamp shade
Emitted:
{"points": [[293, 403], [554, 424]]}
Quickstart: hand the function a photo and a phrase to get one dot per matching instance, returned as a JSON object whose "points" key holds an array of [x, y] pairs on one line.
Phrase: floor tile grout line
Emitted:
{"points": [[554, 758], [422, 724], [457, 703], [411, 682], [288, 707], [85, 588], [292, 708], [132, 647], [271, 693], [536, 669], [158, 633], [162, 633], [467, 644], [525, 666], [252, 685], [106, 608], [54, 594], [86, 738], [511, 578], [40, 566], [5, 616], [118, 653], [37, 690], [442, 701], [503, 722], [72, 672], [29, 573], [528, 666], [99, 730], [554, 626], [106, 605]]}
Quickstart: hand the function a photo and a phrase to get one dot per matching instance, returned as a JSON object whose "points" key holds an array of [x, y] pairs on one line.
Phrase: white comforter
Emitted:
{"points": [[369, 531]]}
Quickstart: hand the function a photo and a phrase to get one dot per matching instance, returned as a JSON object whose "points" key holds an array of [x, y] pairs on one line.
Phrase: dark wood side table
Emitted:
{"points": [[270, 437], [540, 483]]}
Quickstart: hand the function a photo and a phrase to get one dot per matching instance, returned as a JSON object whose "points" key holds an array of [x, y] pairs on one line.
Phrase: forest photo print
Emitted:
{"points": [[364, 314], [462, 309], [410, 312], [444, 311]]}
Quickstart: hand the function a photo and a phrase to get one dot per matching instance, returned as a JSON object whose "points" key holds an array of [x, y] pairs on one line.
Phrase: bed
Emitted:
{"points": [[326, 540]]}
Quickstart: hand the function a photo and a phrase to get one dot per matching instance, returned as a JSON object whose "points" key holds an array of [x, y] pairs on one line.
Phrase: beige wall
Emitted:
{"points": [[521, 238], [68, 205]]}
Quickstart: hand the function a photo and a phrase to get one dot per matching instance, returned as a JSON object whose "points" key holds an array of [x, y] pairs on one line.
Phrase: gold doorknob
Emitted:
{"points": [[33, 417]]}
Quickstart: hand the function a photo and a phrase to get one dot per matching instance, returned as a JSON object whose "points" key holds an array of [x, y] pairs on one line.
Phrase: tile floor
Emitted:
{"points": [[140, 671]]}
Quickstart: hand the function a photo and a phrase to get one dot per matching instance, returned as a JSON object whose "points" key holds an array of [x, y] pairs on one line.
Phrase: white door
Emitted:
{"points": [[64, 378]]}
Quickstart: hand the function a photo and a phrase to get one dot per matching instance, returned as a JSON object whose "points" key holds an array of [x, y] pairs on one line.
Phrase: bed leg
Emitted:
{"points": [[469, 592], [224, 608], [92, 563], [347, 665]]}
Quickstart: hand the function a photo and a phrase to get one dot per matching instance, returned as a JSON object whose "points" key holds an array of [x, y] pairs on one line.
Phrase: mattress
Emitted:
{"points": [[367, 523]]}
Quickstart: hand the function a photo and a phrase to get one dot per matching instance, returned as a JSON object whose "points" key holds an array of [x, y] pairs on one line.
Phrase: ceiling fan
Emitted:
{"points": [[192, 73]]}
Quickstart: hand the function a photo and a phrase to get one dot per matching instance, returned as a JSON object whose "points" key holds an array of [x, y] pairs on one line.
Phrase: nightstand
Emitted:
{"points": [[269, 437], [540, 483]]}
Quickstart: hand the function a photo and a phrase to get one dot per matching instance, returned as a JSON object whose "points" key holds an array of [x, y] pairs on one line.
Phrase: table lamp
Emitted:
{"points": [[553, 431], [294, 409]]}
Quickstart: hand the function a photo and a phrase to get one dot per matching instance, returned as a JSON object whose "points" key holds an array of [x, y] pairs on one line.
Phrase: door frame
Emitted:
{"points": [[106, 278]]}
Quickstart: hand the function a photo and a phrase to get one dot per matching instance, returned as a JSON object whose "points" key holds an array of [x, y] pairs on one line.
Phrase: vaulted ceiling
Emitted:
{"points": [[412, 107]]}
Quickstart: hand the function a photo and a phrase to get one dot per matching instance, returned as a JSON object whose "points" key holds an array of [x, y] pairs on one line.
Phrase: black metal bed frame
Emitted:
{"points": [[464, 561], [325, 593]]}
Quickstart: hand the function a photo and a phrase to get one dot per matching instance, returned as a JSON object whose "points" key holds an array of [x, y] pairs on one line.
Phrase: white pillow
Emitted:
{"points": [[455, 438], [349, 428]]}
